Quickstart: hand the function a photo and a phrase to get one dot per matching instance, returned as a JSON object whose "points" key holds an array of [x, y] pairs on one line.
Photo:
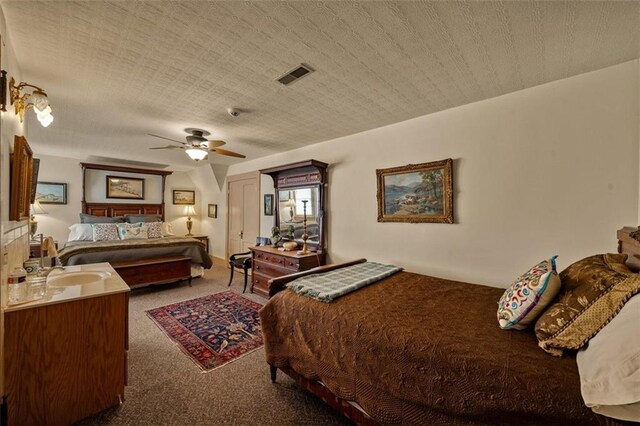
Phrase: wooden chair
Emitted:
{"points": [[240, 260]]}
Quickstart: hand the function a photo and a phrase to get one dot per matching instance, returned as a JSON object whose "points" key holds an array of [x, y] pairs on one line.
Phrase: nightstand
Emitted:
{"points": [[34, 249], [204, 239]]}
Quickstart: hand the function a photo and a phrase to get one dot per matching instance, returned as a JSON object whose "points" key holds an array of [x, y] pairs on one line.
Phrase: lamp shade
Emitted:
{"points": [[190, 211], [36, 208], [46, 120], [40, 101], [196, 154]]}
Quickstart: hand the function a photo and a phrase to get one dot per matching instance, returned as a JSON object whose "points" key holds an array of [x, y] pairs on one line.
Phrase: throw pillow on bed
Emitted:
{"points": [[154, 229], [104, 231], [594, 291], [527, 297], [122, 227], [135, 233]]}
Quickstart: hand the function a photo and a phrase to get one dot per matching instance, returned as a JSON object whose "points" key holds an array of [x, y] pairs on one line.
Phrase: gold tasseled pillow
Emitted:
{"points": [[594, 290]]}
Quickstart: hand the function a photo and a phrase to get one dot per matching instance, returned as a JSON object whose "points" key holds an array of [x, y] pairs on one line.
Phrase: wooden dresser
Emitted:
{"points": [[630, 246], [269, 262]]}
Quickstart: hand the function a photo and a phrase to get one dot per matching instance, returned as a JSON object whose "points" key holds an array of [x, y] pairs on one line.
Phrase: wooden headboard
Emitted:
{"points": [[120, 208]]}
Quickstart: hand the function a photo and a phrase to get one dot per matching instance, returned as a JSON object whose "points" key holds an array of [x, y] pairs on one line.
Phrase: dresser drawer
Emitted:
{"points": [[274, 259], [271, 270], [260, 284]]}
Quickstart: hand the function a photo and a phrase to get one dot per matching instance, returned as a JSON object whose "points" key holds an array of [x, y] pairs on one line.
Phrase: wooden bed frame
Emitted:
{"points": [[347, 408], [138, 273]]}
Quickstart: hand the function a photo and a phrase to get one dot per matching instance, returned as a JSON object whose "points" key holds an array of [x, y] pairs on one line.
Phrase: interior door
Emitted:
{"points": [[243, 192]]}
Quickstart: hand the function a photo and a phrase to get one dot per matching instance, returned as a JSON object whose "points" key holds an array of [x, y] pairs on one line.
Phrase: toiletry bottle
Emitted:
{"points": [[17, 286]]}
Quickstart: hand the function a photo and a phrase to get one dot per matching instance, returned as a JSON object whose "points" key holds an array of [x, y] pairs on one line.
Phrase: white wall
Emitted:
{"points": [[67, 170], [547, 170]]}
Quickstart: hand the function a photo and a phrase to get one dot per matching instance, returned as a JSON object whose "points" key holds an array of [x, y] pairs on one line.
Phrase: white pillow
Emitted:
{"points": [[167, 229], [610, 366], [134, 233], [80, 232]]}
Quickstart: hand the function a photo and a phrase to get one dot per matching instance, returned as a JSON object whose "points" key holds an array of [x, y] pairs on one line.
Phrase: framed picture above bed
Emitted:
{"points": [[51, 193], [416, 193], [184, 197], [125, 188]]}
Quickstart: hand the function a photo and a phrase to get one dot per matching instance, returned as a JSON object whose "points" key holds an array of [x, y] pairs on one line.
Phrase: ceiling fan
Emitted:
{"points": [[197, 146]]}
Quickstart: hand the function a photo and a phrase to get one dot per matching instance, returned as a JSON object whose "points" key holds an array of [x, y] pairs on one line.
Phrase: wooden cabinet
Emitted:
{"points": [[269, 262], [65, 361]]}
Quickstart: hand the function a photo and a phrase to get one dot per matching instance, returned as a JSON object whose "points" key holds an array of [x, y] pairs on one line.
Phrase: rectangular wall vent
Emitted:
{"points": [[295, 74]]}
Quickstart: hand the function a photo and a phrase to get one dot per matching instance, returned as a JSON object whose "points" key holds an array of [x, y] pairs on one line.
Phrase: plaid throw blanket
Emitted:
{"points": [[331, 285]]}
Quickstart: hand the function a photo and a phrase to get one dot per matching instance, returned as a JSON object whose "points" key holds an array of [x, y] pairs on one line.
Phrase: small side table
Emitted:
{"points": [[34, 249], [204, 239]]}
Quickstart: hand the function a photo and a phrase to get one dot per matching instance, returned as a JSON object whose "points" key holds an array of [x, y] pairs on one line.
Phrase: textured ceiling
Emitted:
{"points": [[115, 71]]}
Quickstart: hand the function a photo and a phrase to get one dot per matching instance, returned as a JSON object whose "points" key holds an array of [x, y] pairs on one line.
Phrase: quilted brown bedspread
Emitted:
{"points": [[414, 349]]}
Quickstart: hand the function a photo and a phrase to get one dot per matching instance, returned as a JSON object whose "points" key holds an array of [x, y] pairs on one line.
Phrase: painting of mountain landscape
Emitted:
{"points": [[416, 193]]}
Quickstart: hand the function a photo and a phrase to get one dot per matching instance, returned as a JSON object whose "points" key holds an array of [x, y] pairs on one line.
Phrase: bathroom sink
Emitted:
{"points": [[76, 278]]}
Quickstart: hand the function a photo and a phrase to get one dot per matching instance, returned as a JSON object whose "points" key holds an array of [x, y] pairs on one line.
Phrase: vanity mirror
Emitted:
{"points": [[300, 189]]}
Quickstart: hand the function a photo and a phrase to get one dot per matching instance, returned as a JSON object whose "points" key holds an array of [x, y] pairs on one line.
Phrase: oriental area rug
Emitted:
{"points": [[213, 330]]}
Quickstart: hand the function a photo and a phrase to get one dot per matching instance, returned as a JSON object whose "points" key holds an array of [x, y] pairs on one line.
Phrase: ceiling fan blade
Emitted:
{"points": [[167, 147], [213, 144], [228, 153], [169, 139]]}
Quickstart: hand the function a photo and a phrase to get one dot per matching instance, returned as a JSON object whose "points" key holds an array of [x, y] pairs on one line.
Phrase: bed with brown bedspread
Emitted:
{"points": [[413, 349]]}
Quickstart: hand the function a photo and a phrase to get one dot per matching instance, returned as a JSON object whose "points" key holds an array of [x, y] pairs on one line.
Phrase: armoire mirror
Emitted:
{"points": [[299, 186]]}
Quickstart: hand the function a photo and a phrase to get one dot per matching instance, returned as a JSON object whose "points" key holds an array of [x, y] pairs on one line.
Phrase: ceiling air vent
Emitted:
{"points": [[295, 74]]}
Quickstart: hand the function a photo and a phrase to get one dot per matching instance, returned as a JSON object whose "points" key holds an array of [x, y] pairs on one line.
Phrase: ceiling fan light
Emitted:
{"points": [[196, 154], [46, 120]]}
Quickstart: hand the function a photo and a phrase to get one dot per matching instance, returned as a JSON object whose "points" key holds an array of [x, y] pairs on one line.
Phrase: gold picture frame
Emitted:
{"points": [[21, 175], [416, 193]]}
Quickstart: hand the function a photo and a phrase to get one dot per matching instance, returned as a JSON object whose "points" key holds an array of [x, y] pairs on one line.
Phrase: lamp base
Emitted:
{"points": [[189, 225]]}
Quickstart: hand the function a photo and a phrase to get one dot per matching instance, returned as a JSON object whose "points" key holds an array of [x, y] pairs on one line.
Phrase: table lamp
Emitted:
{"points": [[36, 208], [190, 211]]}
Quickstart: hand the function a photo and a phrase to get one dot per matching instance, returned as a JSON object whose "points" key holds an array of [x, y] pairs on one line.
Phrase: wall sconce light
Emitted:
{"points": [[39, 102]]}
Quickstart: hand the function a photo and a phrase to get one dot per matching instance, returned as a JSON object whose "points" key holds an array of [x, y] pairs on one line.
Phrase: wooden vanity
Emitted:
{"points": [[65, 356]]}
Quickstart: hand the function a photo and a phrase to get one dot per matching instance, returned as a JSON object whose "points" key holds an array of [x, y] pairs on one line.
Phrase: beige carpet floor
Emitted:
{"points": [[167, 388]]}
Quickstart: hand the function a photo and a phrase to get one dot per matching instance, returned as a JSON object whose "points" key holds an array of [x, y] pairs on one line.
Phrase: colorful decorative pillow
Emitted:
{"points": [[154, 229], [135, 218], [104, 231], [122, 227], [527, 297], [594, 291], [80, 232], [87, 218], [135, 233]]}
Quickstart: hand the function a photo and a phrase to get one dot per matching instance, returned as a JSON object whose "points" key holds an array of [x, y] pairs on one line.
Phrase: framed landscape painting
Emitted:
{"points": [[416, 193], [184, 197], [125, 187], [51, 193]]}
